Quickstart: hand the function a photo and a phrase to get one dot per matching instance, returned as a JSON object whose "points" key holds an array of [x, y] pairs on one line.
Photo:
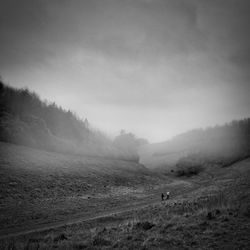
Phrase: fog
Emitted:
{"points": [[155, 68]]}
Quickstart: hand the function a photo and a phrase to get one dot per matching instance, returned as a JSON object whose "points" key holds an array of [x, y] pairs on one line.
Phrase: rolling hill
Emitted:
{"points": [[221, 145], [36, 185], [212, 212], [27, 120]]}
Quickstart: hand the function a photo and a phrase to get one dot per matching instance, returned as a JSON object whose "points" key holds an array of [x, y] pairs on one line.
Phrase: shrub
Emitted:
{"points": [[188, 167], [101, 242], [60, 237], [144, 225]]}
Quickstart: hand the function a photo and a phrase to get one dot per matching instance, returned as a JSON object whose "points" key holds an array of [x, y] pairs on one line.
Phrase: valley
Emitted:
{"points": [[81, 206]]}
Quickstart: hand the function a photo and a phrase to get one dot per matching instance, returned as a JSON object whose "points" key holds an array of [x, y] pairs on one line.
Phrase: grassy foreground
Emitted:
{"points": [[206, 222], [38, 186], [215, 215]]}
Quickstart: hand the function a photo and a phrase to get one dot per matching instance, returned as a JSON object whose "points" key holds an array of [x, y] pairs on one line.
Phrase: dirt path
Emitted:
{"points": [[149, 199], [79, 218], [82, 217]]}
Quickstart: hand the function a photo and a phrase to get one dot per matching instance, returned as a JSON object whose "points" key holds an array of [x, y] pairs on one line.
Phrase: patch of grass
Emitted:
{"points": [[98, 241], [213, 216], [145, 225], [210, 223], [38, 186]]}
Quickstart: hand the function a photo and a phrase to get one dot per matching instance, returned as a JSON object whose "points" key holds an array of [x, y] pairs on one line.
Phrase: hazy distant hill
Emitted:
{"points": [[220, 144], [27, 120]]}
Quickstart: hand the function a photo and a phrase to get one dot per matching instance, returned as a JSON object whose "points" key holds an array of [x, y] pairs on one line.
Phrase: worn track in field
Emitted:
{"points": [[80, 218]]}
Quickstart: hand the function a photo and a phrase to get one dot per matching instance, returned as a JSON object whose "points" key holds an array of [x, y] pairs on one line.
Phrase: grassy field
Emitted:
{"points": [[214, 216], [210, 210], [38, 186]]}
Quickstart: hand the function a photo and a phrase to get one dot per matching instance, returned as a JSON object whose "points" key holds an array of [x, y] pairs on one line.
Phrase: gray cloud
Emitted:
{"points": [[133, 30], [178, 60], [227, 25]]}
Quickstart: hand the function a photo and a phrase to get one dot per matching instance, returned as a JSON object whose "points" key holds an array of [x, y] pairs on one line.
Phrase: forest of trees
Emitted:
{"points": [[223, 144], [27, 120]]}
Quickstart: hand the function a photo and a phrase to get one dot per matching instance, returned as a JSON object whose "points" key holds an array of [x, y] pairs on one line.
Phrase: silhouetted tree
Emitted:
{"points": [[128, 143]]}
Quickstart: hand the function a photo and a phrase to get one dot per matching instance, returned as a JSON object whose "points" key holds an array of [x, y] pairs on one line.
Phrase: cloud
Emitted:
{"points": [[126, 30], [226, 24], [184, 62]]}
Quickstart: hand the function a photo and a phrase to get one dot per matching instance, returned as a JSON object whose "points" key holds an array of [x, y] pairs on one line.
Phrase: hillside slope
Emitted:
{"points": [[39, 185], [27, 120], [214, 145], [212, 213]]}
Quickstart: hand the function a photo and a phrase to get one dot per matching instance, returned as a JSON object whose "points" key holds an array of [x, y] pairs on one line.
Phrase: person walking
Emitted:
{"points": [[162, 197], [168, 195]]}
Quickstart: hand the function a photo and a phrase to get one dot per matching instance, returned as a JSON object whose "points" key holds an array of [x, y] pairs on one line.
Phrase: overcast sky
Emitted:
{"points": [[152, 67]]}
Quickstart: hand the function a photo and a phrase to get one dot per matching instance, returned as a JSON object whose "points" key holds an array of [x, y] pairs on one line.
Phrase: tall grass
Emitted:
{"points": [[141, 222]]}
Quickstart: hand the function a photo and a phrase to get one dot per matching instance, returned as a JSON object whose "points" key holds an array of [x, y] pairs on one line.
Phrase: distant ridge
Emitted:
{"points": [[225, 143]]}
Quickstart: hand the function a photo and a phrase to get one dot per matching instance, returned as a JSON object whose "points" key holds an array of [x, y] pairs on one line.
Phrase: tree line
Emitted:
{"points": [[27, 120], [221, 145]]}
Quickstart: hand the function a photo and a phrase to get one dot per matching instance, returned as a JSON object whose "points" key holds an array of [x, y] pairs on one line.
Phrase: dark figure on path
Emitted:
{"points": [[168, 195], [162, 196]]}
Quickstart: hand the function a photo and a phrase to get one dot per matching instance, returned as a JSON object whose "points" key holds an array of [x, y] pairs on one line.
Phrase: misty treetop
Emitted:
{"points": [[129, 143], [24, 103]]}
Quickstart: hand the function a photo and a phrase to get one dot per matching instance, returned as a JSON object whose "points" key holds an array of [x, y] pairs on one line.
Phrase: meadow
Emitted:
{"points": [[210, 210], [39, 187]]}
